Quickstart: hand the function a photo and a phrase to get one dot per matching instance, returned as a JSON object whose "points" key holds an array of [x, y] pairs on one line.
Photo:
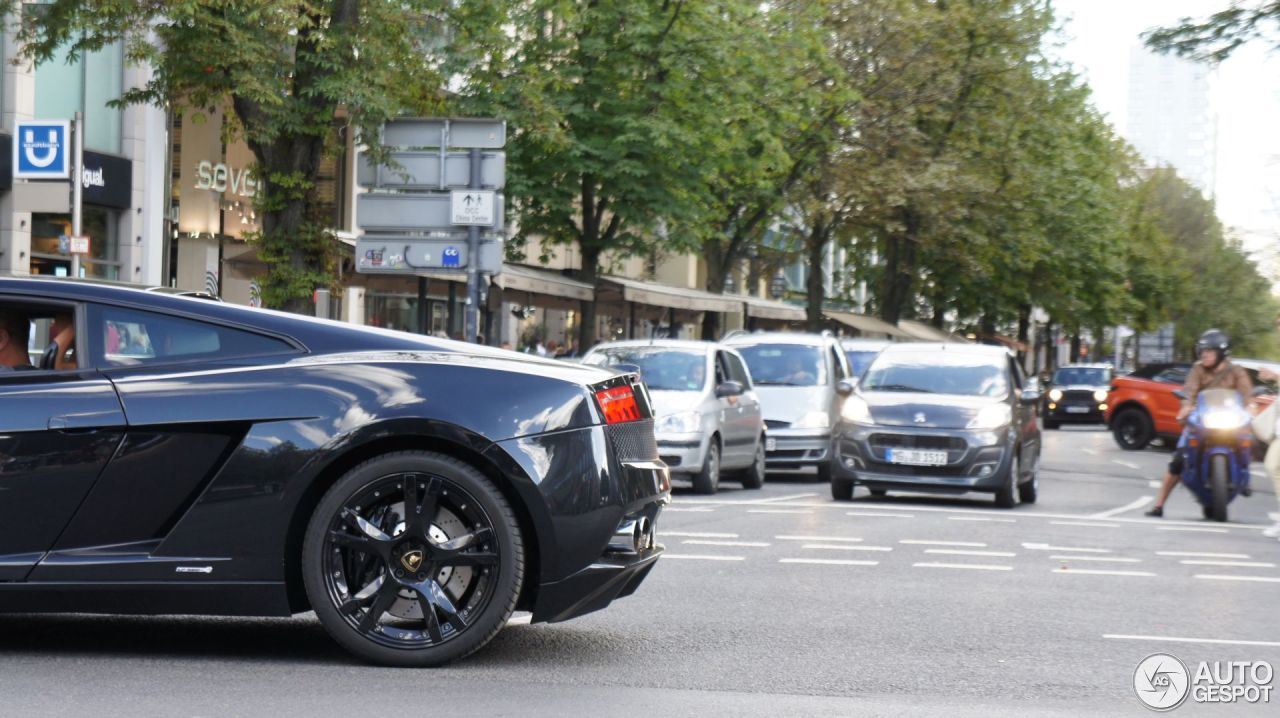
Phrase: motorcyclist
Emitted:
{"points": [[1213, 371]]}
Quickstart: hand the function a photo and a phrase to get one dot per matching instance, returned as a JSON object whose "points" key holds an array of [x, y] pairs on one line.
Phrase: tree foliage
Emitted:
{"points": [[1222, 33]]}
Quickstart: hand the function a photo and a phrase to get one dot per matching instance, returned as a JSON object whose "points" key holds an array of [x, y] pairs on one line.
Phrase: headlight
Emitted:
{"points": [[813, 420], [682, 422], [1224, 419], [1055, 394], [1100, 395], [992, 416], [855, 409]]}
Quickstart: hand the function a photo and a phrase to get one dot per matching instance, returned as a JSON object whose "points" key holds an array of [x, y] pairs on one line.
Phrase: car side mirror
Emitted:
{"points": [[727, 389], [845, 387]]}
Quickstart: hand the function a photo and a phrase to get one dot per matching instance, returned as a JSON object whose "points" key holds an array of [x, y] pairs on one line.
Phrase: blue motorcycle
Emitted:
{"points": [[1216, 450]]}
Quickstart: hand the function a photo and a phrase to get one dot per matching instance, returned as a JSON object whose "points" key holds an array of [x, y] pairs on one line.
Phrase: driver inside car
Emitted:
{"points": [[15, 333], [62, 332]]}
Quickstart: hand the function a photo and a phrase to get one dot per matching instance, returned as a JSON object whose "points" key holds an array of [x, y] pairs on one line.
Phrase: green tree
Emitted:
{"points": [[285, 69], [1216, 37]]}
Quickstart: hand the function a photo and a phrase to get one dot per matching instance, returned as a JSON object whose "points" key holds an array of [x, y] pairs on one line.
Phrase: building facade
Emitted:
{"points": [[1170, 119]]}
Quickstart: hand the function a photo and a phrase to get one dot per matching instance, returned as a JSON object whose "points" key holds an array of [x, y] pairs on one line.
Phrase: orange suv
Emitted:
{"points": [[1141, 406]]}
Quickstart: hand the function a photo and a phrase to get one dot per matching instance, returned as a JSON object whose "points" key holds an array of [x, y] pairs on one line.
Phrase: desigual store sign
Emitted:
{"points": [[107, 180]]}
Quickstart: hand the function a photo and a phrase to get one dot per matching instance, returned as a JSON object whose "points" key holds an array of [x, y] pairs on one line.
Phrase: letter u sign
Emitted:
{"points": [[42, 149]]}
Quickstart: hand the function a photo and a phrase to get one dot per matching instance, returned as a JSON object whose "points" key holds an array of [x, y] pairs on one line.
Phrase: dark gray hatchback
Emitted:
{"points": [[944, 418]]}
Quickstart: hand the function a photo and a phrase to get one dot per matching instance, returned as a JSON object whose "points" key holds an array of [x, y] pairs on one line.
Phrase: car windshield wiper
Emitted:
{"points": [[899, 387]]}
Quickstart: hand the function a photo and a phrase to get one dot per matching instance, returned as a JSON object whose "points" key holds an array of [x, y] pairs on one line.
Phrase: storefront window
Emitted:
{"points": [[98, 223], [391, 311]]}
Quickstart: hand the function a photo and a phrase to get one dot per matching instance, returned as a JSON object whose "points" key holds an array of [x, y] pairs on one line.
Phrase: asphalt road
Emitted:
{"points": [[778, 602]]}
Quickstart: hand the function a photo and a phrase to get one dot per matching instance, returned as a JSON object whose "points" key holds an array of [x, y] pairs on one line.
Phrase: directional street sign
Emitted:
{"points": [[472, 206], [484, 134], [421, 255], [42, 149], [421, 170], [388, 213]]}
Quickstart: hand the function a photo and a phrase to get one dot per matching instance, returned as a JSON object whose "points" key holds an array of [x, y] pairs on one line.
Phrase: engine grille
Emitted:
{"points": [[914, 441], [633, 440], [1078, 395]]}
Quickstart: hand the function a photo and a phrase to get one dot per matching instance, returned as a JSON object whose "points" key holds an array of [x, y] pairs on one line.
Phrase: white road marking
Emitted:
{"points": [[1172, 639], [688, 511], [1108, 559], [1135, 504], [1192, 529], [1047, 547], [1235, 564], [845, 547], [981, 518], [1202, 554], [776, 499], [921, 542], [956, 552], [880, 516], [1155, 484], [1097, 572], [829, 561], [1126, 464], [1227, 577], [816, 538], [779, 511], [696, 534], [712, 542], [972, 566], [703, 557], [1086, 523]]}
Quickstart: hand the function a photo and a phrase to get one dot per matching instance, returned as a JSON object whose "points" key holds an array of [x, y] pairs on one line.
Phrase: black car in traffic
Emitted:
{"points": [[165, 454], [1077, 394], [939, 418]]}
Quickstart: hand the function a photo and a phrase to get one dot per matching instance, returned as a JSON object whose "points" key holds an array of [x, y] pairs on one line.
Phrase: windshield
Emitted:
{"points": [[785, 364], [1087, 375], [860, 359], [661, 369], [937, 373]]}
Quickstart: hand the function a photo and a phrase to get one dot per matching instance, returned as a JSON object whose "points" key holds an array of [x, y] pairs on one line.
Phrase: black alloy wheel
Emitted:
{"points": [[1132, 429], [413, 559], [1007, 496], [707, 481], [841, 489]]}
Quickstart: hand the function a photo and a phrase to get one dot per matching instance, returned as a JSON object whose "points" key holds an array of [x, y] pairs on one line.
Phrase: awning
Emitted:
{"points": [[658, 295], [924, 332], [867, 325], [767, 309], [541, 281]]}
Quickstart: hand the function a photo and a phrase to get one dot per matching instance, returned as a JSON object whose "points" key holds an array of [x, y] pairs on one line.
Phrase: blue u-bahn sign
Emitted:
{"points": [[42, 149]]}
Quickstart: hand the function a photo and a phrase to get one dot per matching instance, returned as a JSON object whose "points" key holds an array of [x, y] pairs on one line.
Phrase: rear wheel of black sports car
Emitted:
{"points": [[413, 559]]}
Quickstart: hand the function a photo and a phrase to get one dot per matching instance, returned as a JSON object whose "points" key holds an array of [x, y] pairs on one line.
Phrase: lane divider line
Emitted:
{"points": [[829, 561], [845, 547], [1191, 529], [1203, 554], [1095, 524], [1234, 564], [718, 542], [971, 566], [779, 511], [1099, 559], [1131, 506], [1230, 577], [1174, 639], [879, 516], [1100, 572], [703, 557], [828, 539], [698, 534], [1047, 547], [927, 542], [981, 518], [961, 552]]}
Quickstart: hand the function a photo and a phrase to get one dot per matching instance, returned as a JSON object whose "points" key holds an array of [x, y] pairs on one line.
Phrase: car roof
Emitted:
{"points": [[690, 344], [948, 347], [740, 340]]}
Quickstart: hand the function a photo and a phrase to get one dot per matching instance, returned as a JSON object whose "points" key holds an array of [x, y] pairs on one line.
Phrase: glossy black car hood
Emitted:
{"points": [[925, 411]]}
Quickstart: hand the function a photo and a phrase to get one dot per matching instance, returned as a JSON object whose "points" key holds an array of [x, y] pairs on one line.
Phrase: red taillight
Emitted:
{"points": [[619, 404]]}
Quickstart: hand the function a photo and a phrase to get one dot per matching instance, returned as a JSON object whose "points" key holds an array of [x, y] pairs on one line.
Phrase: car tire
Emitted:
{"points": [[754, 476], [1132, 429], [841, 489], [470, 558], [1007, 495], [1030, 489], [707, 481], [824, 473], [1219, 486]]}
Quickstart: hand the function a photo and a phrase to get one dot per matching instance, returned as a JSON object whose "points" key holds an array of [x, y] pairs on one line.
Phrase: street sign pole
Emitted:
{"points": [[473, 264], [77, 185]]}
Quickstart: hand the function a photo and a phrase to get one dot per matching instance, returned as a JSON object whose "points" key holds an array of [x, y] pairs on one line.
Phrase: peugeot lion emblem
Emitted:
{"points": [[920, 418], [412, 559]]}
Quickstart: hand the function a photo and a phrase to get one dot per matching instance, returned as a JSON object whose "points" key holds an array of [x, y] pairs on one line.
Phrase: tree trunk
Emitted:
{"points": [[815, 288], [1075, 349], [1024, 331], [898, 285], [717, 269], [588, 273]]}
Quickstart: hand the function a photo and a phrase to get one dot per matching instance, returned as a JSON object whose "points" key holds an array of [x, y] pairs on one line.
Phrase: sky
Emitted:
{"points": [[1097, 38]]}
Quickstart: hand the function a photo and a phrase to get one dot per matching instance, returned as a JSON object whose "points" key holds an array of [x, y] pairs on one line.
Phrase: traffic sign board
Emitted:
{"points": [[421, 170], [78, 244], [481, 133], [420, 212], [472, 207], [392, 254], [42, 149]]}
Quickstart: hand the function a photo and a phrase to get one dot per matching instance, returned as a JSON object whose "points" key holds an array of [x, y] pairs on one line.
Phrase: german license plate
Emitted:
{"points": [[1077, 410], [917, 457], [770, 444]]}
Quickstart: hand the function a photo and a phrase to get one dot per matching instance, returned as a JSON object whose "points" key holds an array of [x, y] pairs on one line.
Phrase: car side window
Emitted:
{"points": [[127, 337], [1175, 375], [37, 336], [722, 372], [737, 370]]}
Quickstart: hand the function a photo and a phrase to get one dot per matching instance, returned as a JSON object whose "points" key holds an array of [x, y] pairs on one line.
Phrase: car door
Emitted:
{"points": [[58, 431], [730, 416], [1024, 418], [749, 412]]}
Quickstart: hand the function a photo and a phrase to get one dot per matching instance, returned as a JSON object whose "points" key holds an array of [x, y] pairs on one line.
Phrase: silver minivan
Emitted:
{"points": [[796, 376], [706, 414]]}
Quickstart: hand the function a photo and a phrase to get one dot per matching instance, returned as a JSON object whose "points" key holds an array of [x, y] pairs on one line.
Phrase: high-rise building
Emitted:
{"points": [[1170, 119]]}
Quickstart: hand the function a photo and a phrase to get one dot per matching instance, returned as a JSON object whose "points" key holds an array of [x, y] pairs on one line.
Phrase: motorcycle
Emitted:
{"points": [[1217, 450]]}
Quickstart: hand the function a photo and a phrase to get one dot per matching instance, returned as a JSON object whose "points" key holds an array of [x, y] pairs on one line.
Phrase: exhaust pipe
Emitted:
{"points": [[633, 536]]}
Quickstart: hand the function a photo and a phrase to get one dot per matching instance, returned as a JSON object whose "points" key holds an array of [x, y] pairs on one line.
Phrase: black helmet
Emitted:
{"points": [[1215, 339]]}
